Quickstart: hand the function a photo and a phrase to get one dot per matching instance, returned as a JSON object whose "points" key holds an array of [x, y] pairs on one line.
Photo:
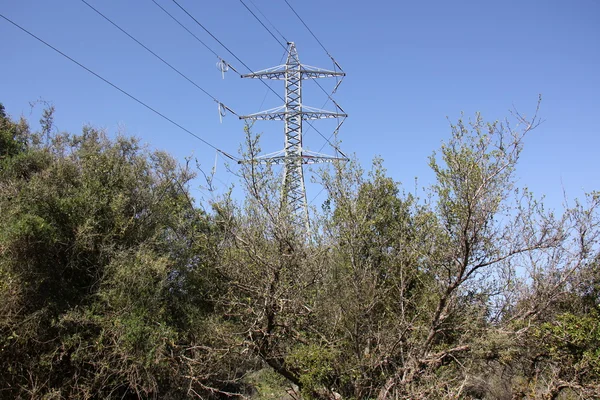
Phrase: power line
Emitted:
{"points": [[311, 32], [335, 64], [270, 23], [195, 37], [157, 56], [263, 25], [213, 36], [184, 27], [225, 47], [329, 98], [285, 48], [250, 70], [318, 194], [328, 141], [208, 47], [120, 90], [267, 92]]}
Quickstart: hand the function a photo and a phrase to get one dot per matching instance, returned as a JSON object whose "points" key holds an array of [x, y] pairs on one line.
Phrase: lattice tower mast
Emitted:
{"points": [[293, 113]]}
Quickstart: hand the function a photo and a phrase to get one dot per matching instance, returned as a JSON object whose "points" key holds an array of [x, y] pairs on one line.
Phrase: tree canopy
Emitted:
{"points": [[115, 283]]}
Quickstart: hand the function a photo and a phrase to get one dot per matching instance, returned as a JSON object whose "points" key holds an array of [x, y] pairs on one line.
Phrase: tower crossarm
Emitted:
{"points": [[306, 158], [313, 72], [280, 113], [277, 72], [306, 71]]}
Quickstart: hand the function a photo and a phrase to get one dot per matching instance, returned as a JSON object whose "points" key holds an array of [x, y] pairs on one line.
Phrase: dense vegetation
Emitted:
{"points": [[114, 284]]}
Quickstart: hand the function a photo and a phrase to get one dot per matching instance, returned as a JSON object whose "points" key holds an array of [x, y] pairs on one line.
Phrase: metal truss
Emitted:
{"points": [[293, 113], [280, 114], [280, 71]]}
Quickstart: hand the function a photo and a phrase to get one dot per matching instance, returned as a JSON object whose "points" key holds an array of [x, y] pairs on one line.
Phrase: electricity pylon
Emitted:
{"points": [[293, 113]]}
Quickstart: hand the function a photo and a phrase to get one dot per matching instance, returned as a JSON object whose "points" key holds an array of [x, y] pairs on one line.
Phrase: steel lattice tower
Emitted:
{"points": [[293, 113]]}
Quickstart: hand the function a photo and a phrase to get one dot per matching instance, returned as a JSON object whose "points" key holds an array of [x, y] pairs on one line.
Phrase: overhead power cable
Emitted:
{"points": [[329, 141], [192, 33], [263, 25], [121, 90], [159, 57], [335, 65], [184, 27], [270, 23], [318, 194], [267, 91], [223, 45], [211, 35], [250, 70], [312, 33]]}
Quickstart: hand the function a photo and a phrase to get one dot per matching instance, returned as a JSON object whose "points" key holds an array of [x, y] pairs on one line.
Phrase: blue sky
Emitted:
{"points": [[410, 66]]}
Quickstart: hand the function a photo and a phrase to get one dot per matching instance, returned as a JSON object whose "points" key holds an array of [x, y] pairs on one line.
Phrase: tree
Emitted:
{"points": [[107, 272], [270, 272], [12, 135], [412, 284], [563, 341], [393, 296], [114, 284]]}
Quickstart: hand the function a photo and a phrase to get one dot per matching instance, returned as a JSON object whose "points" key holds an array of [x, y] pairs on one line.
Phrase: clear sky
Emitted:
{"points": [[410, 65]]}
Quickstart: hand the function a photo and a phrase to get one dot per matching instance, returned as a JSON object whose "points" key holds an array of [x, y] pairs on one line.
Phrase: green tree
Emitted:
{"points": [[393, 296], [12, 136], [564, 339], [107, 272], [114, 284]]}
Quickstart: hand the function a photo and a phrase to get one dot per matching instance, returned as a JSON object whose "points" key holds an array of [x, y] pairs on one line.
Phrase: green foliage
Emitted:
{"points": [[106, 268], [113, 284], [12, 136], [315, 364], [572, 342], [268, 385]]}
